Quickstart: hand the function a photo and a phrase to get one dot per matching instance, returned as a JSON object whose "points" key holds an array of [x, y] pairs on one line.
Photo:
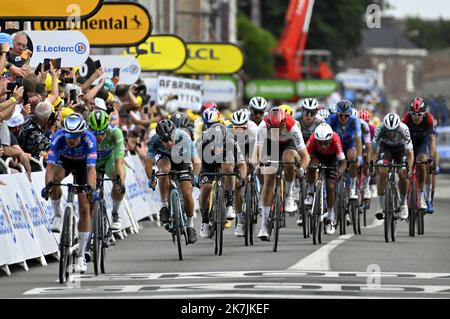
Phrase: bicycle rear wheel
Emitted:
{"points": [[412, 205], [315, 213], [248, 213], [64, 245], [341, 207], [97, 236], [420, 222], [277, 221], [395, 205], [302, 209], [175, 214], [253, 213], [354, 214], [221, 219]]}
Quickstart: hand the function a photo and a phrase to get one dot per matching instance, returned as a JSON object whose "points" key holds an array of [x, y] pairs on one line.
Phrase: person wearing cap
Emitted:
{"points": [[33, 137], [14, 150]]}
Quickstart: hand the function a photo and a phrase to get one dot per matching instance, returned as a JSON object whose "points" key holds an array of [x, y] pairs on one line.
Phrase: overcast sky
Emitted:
{"points": [[427, 9]]}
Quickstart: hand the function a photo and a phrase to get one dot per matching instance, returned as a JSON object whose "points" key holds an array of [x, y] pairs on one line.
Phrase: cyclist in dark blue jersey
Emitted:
{"points": [[348, 128], [73, 150], [173, 150]]}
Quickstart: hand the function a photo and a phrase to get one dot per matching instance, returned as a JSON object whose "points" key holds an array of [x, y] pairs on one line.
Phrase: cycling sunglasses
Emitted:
{"points": [[417, 114], [256, 112], [324, 142], [99, 133], [311, 113], [344, 115]]}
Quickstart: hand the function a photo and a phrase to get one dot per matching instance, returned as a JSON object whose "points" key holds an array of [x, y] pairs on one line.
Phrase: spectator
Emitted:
{"points": [[443, 110], [19, 56], [33, 138]]}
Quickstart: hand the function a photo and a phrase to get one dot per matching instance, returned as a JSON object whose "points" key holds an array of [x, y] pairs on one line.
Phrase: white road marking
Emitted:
{"points": [[319, 260]]}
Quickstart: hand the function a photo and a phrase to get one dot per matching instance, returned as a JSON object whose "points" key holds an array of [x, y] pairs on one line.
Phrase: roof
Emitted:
{"points": [[386, 37]]}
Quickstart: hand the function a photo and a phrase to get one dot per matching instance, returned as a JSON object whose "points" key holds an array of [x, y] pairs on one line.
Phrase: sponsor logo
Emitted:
{"points": [[40, 210], [134, 69], [6, 225], [22, 221], [79, 48]]}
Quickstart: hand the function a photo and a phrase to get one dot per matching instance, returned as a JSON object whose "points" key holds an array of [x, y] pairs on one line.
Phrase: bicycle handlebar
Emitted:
{"points": [[390, 165], [173, 173]]}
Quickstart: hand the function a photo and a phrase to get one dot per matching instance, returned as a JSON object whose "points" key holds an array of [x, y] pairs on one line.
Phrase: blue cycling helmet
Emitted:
{"points": [[74, 125], [344, 106]]}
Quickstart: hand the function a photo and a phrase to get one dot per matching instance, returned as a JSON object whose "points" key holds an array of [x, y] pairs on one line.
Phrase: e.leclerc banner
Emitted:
{"points": [[116, 24]]}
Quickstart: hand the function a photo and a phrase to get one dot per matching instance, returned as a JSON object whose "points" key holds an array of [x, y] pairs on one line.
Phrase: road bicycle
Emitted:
{"points": [[416, 214], [251, 206]]}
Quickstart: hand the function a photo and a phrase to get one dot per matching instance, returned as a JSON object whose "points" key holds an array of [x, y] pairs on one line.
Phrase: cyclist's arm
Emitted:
{"points": [[91, 161], [408, 145], [149, 167], [304, 158], [119, 154], [197, 165], [49, 173]]}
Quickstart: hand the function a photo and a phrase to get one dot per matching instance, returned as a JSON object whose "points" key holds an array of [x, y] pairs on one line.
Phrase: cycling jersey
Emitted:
{"points": [[199, 127], [183, 148], [422, 132], [112, 145], [365, 131], [246, 140], [307, 131], [335, 147], [348, 132], [85, 150], [397, 138], [290, 133]]}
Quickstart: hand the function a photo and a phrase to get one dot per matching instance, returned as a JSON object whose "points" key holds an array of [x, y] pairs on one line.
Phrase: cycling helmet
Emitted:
{"points": [[258, 103], [310, 104], [287, 109], [276, 118], [323, 132], [240, 118], [172, 106], [180, 120], [418, 105], [333, 109], [74, 125], [209, 106], [364, 115], [344, 107], [210, 117], [391, 121], [98, 122], [324, 113], [165, 130], [355, 112]]}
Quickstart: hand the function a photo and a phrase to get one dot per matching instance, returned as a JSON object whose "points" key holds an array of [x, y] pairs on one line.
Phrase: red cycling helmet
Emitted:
{"points": [[418, 105], [209, 106], [276, 118], [364, 115]]}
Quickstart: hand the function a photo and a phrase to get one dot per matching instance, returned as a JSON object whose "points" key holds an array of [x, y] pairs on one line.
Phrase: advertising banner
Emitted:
{"points": [[130, 70], [160, 53], [116, 24], [270, 89], [212, 58], [219, 91], [71, 46], [190, 92], [315, 88]]}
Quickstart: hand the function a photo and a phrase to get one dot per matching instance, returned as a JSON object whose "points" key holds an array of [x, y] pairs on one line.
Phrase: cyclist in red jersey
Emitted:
{"points": [[325, 147]]}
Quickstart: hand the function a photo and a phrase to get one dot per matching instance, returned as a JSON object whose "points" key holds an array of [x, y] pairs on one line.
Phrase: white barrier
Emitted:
{"points": [[25, 217]]}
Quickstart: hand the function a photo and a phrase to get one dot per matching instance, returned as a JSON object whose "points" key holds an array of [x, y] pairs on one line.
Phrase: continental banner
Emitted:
{"points": [[212, 58], [160, 53], [116, 24], [48, 9]]}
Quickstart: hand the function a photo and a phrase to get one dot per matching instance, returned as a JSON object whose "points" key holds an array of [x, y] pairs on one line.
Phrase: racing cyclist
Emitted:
{"points": [[72, 150], [325, 147], [257, 107], [110, 158], [279, 132], [173, 150], [392, 142], [367, 143]]}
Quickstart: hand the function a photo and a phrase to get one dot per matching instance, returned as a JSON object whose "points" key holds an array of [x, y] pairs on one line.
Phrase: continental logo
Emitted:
{"points": [[115, 24]]}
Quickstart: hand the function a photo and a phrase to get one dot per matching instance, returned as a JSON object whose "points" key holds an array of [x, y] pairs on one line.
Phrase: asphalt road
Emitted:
{"points": [[146, 265]]}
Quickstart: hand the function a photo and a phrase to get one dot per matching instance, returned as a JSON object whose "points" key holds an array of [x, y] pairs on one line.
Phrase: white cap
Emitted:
{"points": [[16, 119], [100, 103]]}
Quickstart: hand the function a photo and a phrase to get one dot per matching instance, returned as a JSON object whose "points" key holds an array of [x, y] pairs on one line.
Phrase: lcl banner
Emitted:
{"points": [[160, 53], [48, 9], [212, 58], [71, 46], [116, 24]]}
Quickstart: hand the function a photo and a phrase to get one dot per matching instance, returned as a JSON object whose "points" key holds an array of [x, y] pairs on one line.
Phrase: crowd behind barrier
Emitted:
{"points": [[25, 217]]}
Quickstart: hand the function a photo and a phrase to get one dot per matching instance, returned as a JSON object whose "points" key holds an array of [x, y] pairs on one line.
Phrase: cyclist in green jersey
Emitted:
{"points": [[110, 158]]}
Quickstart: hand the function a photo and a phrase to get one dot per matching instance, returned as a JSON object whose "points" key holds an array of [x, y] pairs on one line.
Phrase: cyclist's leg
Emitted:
{"points": [[311, 180], [238, 206], [422, 171], [350, 152], [188, 200], [384, 156], [330, 161], [228, 185], [56, 194], [205, 192], [365, 173], [403, 183], [117, 192], [289, 155], [164, 166]]}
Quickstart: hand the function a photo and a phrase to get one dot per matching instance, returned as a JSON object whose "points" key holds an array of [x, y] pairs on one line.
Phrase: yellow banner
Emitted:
{"points": [[115, 24], [48, 9], [160, 53], [212, 58]]}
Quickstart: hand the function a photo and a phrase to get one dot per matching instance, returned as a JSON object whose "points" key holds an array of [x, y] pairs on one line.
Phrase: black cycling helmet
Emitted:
{"points": [[165, 130], [180, 120]]}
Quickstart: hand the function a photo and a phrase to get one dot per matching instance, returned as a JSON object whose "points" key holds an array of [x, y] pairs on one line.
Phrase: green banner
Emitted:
{"points": [[270, 89], [315, 88]]}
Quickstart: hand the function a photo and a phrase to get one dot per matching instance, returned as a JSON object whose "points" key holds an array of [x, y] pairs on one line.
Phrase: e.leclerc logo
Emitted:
{"points": [[134, 69], [79, 48], [6, 225]]}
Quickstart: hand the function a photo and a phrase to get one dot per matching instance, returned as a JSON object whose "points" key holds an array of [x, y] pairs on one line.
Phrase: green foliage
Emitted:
{"points": [[258, 45], [428, 34]]}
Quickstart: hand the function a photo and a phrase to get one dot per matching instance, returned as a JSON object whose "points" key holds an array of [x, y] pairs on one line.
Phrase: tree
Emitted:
{"points": [[428, 34], [258, 45]]}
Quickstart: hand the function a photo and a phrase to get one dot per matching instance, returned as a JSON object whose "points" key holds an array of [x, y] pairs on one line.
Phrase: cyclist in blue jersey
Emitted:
{"points": [[349, 129], [73, 149], [173, 149]]}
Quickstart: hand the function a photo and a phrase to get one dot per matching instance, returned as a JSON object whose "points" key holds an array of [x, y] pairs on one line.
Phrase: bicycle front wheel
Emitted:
{"points": [[105, 237], [64, 245], [277, 219], [248, 213], [175, 214], [97, 236], [388, 213], [220, 219]]}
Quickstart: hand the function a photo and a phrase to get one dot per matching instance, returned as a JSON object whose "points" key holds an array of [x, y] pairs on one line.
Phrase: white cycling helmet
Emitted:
{"points": [[310, 104], [332, 109], [74, 125], [239, 118], [323, 132], [391, 121], [172, 106], [355, 113], [324, 113], [258, 103]]}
